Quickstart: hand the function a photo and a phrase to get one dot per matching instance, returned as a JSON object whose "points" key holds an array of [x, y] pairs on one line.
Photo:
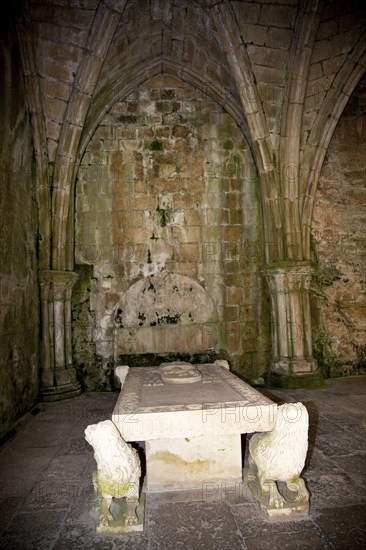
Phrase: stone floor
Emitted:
{"points": [[46, 494]]}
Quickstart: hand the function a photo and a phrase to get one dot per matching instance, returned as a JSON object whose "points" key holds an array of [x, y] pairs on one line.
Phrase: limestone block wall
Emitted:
{"points": [[18, 230], [168, 238], [339, 285]]}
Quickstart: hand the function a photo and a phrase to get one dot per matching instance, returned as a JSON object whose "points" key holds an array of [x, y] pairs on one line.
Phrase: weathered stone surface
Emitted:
{"points": [[19, 309], [178, 428], [175, 211], [278, 458], [278, 16], [174, 140], [117, 477], [339, 282]]}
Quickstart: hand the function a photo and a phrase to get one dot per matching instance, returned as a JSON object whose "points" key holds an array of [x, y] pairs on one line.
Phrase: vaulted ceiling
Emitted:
{"points": [[284, 70]]}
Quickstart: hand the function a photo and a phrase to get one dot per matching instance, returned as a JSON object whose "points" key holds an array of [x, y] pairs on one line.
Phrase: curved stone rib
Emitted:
{"points": [[239, 62], [297, 78], [263, 153], [100, 36], [330, 112]]}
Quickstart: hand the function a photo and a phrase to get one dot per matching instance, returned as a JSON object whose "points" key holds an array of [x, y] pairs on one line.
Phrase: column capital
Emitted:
{"points": [[62, 282], [292, 358], [58, 277], [289, 267], [286, 276], [44, 290]]}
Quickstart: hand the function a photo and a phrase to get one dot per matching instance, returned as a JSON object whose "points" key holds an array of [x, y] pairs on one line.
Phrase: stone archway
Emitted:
{"points": [[168, 186], [229, 56]]}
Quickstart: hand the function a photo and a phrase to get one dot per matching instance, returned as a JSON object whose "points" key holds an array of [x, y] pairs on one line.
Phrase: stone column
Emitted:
{"points": [[46, 334], [58, 374], [291, 321]]}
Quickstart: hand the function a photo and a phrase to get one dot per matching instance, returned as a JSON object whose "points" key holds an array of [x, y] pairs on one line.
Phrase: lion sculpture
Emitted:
{"points": [[118, 470], [280, 455]]}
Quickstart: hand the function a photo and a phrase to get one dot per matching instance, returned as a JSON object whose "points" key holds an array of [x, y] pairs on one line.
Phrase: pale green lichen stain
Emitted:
{"points": [[111, 487], [171, 458], [294, 478]]}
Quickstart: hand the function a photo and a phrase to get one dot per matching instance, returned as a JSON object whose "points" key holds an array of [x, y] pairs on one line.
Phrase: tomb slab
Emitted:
{"points": [[192, 430]]}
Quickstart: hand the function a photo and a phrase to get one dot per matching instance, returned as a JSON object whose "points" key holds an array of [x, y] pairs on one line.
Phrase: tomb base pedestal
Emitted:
{"points": [[188, 463]]}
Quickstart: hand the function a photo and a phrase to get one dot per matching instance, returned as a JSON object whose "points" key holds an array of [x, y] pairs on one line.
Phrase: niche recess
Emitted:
{"points": [[168, 221]]}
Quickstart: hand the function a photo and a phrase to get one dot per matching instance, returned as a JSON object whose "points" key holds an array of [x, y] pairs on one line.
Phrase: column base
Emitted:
{"points": [[310, 380], [57, 393], [291, 367]]}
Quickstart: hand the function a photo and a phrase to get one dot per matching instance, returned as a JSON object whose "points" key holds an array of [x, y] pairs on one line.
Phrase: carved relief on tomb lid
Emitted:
{"points": [[179, 372]]}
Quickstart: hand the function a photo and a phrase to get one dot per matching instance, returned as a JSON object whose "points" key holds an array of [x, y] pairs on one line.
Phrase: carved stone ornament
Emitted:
{"points": [[276, 460], [117, 477], [179, 372]]}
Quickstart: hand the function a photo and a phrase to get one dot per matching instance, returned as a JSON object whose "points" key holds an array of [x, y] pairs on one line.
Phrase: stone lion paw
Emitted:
{"points": [[104, 519], [131, 520], [276, 501]]}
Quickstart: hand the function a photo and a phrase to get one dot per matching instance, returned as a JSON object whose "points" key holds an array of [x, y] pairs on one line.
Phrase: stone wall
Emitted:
{"points": [[339, 285], [168, 236], [168, 216], [19, 289]]}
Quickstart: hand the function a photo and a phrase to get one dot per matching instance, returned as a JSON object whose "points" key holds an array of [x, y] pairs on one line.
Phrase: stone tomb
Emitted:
{"points": [[191, 418]]}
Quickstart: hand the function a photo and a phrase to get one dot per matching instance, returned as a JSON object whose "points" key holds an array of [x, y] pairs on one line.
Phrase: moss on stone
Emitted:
{"points": [[164, 216], [228, 145], [154, 145], [154, 359], [107, 486], [323, 352], [307, 381], [227, 130], [323, 277]]}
